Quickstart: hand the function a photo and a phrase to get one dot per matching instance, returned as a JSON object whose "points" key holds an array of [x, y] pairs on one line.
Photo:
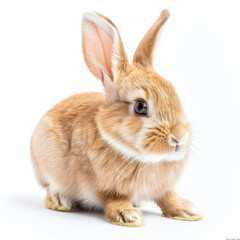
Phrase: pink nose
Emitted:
{"points": [[174, 140]]}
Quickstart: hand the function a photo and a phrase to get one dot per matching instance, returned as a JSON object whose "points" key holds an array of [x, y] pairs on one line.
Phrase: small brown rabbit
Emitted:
{"points": [[111, 150]]}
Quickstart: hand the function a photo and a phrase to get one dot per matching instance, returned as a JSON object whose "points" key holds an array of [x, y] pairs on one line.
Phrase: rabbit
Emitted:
{"points": [[114, 149]]}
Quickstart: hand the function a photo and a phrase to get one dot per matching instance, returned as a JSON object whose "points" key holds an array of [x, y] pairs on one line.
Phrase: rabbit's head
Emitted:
{"points": [[142, 117]]}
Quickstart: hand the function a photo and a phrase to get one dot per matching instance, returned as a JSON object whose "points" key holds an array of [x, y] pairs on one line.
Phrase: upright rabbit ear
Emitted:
{"points": [[103, 49], [144, 54]]}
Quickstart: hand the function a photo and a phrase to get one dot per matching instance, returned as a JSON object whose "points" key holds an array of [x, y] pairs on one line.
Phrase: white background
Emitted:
{"points": [[41, 63]]}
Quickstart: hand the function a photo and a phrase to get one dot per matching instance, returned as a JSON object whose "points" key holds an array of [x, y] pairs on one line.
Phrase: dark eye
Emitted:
{"points": [[140, 107]]}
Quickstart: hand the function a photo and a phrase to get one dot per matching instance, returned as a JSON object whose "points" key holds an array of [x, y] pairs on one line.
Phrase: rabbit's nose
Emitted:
{"points": [[174, 140]]}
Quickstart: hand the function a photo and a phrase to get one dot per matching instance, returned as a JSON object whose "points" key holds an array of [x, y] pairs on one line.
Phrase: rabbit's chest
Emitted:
{"points": [[148, 187], [152, 183]]}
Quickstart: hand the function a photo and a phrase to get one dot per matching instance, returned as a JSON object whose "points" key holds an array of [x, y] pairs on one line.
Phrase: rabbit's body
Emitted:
{"points": [[74, 160], [120, 147], [62, 162]]}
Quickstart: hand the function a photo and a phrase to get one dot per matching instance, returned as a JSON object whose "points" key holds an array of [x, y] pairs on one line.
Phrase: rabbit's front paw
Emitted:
{"points": [[176, 207], [183, 214], [128, 217]]}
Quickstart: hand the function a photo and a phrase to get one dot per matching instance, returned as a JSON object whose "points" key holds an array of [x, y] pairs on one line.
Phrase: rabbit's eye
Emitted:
{"points": [[140, 107]]}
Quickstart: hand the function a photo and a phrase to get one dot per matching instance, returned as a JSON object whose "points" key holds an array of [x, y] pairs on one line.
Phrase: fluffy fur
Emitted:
{"points": [[92, 149]]}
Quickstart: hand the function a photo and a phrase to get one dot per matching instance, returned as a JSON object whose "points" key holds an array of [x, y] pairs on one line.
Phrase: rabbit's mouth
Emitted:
{"points": [[176, 154], [170, 156]]}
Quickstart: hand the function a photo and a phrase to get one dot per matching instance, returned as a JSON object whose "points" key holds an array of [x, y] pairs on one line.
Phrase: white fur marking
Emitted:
{"points": [[139, 155], [53, 185], [89, 199]]}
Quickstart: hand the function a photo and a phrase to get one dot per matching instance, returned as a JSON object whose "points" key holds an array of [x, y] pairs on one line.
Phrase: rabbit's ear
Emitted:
{"points": [[103, 49], [144, 54]]}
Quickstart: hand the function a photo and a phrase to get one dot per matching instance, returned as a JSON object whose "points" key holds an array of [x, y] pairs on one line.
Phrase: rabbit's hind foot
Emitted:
{"points": [[59, 202]]}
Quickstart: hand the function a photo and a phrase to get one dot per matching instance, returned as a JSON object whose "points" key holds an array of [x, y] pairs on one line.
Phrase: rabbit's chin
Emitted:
{"points": [[142, 156], [153, 157]]}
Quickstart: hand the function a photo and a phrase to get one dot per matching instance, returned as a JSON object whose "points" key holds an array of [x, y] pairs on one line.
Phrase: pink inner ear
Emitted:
{"points": [[98, 50]]}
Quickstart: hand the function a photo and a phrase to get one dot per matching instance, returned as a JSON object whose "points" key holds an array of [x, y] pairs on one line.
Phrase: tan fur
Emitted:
{"points": [[144, 53], [120, 211], [56, 206], [74, 161], [177, 208]]}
